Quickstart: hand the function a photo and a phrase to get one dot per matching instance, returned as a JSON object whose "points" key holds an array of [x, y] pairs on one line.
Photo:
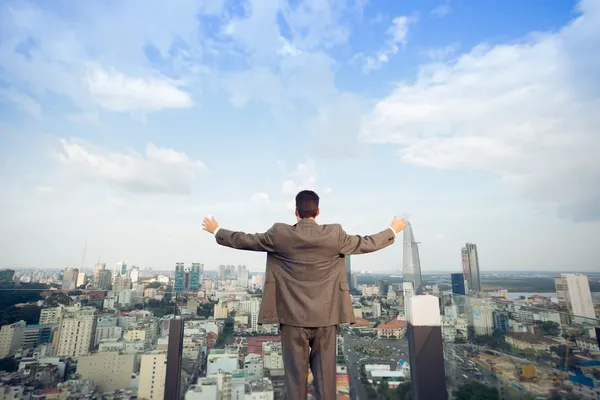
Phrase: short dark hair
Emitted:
{"points": [[307, 204]]}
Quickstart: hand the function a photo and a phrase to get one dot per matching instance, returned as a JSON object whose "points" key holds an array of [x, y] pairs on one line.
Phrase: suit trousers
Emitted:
{"points": [[316, 347]]}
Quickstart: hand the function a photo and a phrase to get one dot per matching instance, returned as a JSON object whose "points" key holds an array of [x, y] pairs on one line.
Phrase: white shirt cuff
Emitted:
{"points": [[390, 228], [216, 230]]}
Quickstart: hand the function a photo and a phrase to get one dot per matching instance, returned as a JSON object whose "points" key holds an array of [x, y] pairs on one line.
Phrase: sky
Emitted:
{"points": [[123, 124]]}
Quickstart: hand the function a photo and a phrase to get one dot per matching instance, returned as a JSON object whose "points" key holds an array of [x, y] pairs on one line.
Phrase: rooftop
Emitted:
{"points": [[393, 324]]}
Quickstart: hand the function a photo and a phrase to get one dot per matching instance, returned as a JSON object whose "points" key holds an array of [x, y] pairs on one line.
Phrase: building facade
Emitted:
{"points": [[153, 371], [458, 284], [470, 263], [411, 262], [573, 292]]}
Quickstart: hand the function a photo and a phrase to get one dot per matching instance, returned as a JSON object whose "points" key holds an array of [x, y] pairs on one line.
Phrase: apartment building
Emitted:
{"points": [[153, 371]]}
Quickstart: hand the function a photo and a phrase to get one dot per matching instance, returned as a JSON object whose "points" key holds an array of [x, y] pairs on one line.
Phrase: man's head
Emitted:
{"points": [[307, 204]]}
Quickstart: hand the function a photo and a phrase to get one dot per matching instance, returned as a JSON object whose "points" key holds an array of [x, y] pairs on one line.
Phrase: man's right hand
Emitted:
{"points": [[398, 224]]}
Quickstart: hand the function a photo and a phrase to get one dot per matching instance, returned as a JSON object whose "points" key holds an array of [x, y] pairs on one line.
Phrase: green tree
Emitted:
{"points": [[30, 314], [475, 391], [58, 298], [205, 310], [383, 388], [549, 328], [25, 293], [153, 285], [226, 333]]}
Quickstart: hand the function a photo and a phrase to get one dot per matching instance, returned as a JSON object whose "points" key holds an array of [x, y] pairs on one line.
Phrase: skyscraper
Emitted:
{"points": [[242, 276], [96, 278], [470, 263], [120, 268], [196, 276], [103, 279], [458, 284], [179, 278], [69, 281], [573, 292], [349, 272], [411, 263]]}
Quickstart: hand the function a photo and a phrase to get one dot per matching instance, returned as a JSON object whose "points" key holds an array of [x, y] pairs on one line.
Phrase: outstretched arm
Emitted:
{"points": [[355, 244], [240, 240]]}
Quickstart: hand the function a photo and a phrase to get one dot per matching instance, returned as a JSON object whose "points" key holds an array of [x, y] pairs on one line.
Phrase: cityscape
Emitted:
{"points": [[199, 197], [106, 333]]}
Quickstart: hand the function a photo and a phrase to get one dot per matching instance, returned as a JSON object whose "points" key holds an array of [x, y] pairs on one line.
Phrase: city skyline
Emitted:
{"points": [[127, 137]]}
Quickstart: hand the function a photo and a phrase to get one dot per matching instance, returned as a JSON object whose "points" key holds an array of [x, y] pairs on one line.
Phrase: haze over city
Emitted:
{"points": [[123, 125]]}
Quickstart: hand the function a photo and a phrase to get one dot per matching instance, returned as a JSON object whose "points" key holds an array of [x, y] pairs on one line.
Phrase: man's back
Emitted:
{"points": [[305, 277], [306, 289]]}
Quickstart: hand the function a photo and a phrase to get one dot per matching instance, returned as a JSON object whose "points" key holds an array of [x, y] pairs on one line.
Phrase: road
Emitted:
{"points": [[458, 365], [354, 359]]}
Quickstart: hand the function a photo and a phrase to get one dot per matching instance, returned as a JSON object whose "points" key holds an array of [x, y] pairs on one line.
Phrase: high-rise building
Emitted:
{"points": [[11, 338], [96, 278], [134, 274], [411, 262], [226, 272], [179, 284], [470, 263], [153, 372], [483, 320], [51, 316], [354, 281], [458, 284], [103, 279], [573, 292], [76, 332], [81, 279], [501, 321], [122, 282], [408, 291], [384, 287], [109, 370], [69, 281], [349, 271], [120, 268], [196, 276], [242, 276]]}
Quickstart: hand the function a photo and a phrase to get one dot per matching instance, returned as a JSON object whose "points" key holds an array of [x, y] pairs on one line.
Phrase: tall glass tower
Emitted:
{"points": [[196, 276], [179, 284], [411, 263], [470, 262]]}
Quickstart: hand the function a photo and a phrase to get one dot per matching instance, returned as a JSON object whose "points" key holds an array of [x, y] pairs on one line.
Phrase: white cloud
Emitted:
{"points": [[118, 92], [396, 37], [303, 177], [54, 51], [527, 112], [159, 170]]}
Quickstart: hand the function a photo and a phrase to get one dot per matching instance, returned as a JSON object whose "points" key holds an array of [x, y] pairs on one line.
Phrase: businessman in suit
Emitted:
{"points": [[306, 290]]}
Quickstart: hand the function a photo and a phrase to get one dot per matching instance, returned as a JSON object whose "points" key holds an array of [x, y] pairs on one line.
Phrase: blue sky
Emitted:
{"points": [[125, 123]]}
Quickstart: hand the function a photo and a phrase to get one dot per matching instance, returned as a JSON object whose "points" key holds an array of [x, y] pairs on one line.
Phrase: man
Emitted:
{"points": [[306, 290]]}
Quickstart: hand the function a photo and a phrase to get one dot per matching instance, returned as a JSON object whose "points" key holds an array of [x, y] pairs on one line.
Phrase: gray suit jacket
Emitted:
{"points": [[305, 278]]}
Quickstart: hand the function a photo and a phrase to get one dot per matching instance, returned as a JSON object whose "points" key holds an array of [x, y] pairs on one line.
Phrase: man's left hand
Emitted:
{"points": [[210, 224]]}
